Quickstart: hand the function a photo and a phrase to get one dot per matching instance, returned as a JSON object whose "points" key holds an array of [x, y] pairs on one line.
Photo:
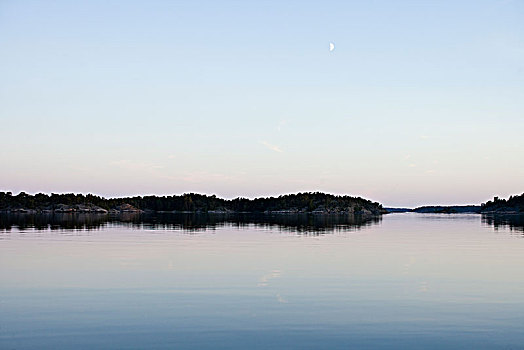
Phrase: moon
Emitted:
{"points": [[331, 47]]}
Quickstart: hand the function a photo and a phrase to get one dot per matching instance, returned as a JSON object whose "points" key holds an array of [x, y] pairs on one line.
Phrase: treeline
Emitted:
{"points": [[512, 204], [193, 202]]}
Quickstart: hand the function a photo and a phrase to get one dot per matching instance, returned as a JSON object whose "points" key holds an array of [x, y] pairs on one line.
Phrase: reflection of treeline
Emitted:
{"points": [[52, 221], [301, 202], [513, 222], [307, 222], [514, 204], [186, 221], [301, 222]]}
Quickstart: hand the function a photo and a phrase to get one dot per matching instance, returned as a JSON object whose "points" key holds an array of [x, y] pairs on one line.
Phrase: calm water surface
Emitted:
{"points": [[407, 281]]}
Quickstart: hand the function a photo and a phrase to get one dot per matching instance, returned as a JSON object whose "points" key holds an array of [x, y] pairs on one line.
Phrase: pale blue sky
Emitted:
{"points": [[420, 102]]}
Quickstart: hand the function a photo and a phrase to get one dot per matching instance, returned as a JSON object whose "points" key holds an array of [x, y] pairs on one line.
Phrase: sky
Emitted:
{"points": [[420, 102]]}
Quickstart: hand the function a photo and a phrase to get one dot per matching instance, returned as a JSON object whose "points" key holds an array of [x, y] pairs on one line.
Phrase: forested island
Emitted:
{"points": [[306, 202], [514, 204]]}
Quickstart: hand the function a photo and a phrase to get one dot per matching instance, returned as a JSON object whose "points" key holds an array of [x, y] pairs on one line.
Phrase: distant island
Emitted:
{"points": [[439, 209], [513, 205], [452, 209], [306, 202]]}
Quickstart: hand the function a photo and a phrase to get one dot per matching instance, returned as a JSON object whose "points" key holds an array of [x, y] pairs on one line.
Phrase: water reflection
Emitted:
{"points": [[514, 222], [52, 221], [299, 223], [413, 281]]}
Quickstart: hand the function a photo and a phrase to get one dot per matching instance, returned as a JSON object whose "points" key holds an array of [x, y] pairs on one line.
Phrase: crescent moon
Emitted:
{"points": [[331, 47]]}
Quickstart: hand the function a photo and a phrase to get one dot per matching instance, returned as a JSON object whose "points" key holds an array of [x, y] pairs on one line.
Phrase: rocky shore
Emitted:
{"points": [[128, 208], [75, 208]]}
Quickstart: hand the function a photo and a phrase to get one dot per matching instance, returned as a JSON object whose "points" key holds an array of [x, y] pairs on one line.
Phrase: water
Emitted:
{"points": [[406, 281]]}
